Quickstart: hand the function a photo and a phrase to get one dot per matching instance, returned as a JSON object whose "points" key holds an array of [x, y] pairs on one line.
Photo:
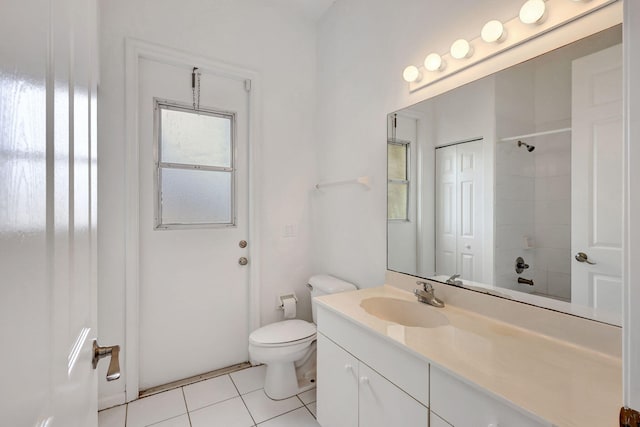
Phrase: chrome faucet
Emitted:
{"points": [[452, 280], [426, 295]]}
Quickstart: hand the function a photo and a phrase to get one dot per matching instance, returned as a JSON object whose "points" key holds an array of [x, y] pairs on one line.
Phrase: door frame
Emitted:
{"points": [[136, 50]]}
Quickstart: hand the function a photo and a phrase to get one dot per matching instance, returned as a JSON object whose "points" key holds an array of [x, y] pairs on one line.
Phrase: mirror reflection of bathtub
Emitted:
{"points": [[514, 181]]}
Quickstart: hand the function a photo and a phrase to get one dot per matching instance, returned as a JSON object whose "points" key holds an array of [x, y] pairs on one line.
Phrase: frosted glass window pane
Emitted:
{"points": [[397, 200], [192, 138], [195, 197], [397, 155]]}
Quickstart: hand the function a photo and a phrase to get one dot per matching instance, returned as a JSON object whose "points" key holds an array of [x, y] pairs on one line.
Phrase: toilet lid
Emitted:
{"points": [[282, 332]]}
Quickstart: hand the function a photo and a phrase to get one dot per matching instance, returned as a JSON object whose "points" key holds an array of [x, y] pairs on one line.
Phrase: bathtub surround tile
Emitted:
{"points": [[113, 417], [308, 396], [205, 393], [249, 380], [156, 408], [298, 418], [263, 408], [230, 413], [180, 421]]}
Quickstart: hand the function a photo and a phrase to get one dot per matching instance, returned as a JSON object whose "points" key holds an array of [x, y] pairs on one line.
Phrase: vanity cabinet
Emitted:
{"points": [[352, 394], [462, 405]]}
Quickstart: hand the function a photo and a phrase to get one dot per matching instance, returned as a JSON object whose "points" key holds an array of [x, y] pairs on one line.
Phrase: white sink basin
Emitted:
{"points": [[403, 312]]}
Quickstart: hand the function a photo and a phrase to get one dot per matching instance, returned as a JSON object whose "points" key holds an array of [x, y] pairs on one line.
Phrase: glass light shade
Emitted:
{"points": [[461, 49], [533, 11], [493, 32], [411, 74], [434, 62]]}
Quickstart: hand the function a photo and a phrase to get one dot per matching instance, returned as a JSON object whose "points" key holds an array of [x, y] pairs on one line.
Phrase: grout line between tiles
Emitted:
{"points": [[243, 402], [284, 413], [307, 408], [184, 397]]}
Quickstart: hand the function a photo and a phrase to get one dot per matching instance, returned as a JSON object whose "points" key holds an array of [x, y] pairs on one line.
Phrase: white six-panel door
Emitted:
{"points": [[596, 176], [459, 230]]}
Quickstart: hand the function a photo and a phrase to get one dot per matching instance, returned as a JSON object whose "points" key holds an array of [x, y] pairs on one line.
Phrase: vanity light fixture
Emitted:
{"points": [[533, 12], [461, 49], [493, 32], [434, 62], [411, 74]]}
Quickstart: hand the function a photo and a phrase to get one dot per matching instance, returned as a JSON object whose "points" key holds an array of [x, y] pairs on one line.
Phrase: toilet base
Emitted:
{"points": [[284, 380]]}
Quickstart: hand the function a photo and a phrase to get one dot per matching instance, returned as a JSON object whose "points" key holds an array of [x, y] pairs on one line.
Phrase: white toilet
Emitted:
{"points": [[288, 347]]}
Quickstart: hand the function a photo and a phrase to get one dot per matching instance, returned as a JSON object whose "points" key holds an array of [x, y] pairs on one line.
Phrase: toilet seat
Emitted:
{"points": [[285, 333]]}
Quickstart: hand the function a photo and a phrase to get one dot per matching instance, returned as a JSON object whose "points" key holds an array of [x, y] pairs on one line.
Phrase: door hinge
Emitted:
{"points": [[247, 85]]}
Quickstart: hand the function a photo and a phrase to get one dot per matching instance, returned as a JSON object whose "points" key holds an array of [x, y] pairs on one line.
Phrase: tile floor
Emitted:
{"points": [[234, 400]]}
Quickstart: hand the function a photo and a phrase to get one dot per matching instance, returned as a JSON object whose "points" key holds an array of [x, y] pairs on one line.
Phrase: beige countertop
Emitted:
{"points": [[562, 383]]}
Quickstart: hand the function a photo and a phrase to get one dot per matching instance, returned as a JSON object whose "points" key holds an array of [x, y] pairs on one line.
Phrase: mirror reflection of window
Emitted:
{"points": [[546, 189], [398, 189]]}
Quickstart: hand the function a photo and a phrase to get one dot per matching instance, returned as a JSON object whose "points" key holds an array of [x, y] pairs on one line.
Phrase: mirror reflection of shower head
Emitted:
{"points": [[529, 148]]}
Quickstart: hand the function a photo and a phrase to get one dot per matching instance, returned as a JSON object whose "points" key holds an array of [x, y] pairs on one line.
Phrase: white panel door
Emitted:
{"points": [[469, 216], [459, 208], [193, 291], [597, 163], [446, 211], [48, 72]]}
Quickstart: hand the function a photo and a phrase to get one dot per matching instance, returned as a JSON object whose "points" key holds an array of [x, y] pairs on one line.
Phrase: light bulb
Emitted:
{"points": [[411, 74], [493, 32], [434, 62], [461, 49], [533, 12]]}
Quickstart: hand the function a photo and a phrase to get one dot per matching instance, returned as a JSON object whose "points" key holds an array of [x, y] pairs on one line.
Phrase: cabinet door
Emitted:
{"points": [[382, 404], [337, 389]]}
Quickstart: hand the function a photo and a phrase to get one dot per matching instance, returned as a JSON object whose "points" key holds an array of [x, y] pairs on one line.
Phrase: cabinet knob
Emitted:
{"points": [[364, 380], [348, 367]]}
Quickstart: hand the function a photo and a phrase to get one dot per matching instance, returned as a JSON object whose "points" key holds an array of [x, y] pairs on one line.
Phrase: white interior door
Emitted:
{"points": [[194, 294], [446, 210], [48, 212], [459, 198], [596, 166], [470, 209]]}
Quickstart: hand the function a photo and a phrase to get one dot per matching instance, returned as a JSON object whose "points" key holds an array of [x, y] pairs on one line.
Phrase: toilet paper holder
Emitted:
{"points": [[285, 297]]}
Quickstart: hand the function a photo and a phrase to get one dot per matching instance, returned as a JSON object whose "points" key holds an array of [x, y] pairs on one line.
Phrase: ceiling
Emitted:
{"points": [[312, 9]]}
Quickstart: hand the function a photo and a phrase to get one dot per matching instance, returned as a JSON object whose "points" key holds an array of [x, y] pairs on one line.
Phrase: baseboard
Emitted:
{"points": [[107, 402]]}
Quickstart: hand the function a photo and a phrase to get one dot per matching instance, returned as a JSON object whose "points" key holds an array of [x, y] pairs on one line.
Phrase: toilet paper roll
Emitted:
{"points": [[289, 306]]}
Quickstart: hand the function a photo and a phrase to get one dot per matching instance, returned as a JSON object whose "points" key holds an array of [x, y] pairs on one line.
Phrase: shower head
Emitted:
{"points": [[529, 148]]}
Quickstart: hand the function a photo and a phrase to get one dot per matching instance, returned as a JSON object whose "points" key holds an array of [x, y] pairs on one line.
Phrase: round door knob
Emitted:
{"points": [[364, 380], [243, 261]]}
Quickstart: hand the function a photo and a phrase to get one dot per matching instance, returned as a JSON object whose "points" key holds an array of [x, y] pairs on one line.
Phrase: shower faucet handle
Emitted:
{"points": [[521, 265]]}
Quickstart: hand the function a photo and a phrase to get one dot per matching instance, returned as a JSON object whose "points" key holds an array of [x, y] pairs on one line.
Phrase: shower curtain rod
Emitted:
{"points": [[531, 135]]}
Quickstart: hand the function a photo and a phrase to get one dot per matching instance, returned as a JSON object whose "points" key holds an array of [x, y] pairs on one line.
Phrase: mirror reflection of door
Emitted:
{"points": [[597, 163], [459, 230], [550, 168]]}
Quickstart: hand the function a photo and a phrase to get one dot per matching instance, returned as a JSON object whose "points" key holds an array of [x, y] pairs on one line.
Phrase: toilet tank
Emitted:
{"points": [[323, 284]]}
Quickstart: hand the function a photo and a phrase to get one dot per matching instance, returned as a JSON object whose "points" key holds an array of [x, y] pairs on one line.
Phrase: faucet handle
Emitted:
{"points": [[425, 285]]}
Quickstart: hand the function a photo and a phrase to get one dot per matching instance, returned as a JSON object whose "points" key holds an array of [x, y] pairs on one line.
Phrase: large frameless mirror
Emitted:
{"points": [[512, 184]]}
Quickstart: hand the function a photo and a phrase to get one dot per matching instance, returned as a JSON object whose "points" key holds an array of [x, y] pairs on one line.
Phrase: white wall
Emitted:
{"points": [[363, 46], [277, 43]]}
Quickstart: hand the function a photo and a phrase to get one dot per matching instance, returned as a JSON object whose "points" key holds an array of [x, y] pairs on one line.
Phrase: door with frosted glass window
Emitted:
{"points": [[193, 216]]}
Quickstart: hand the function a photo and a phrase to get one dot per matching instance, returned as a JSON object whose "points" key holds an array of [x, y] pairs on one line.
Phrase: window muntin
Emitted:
{"points": [[195, 170], [398, 180]]}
